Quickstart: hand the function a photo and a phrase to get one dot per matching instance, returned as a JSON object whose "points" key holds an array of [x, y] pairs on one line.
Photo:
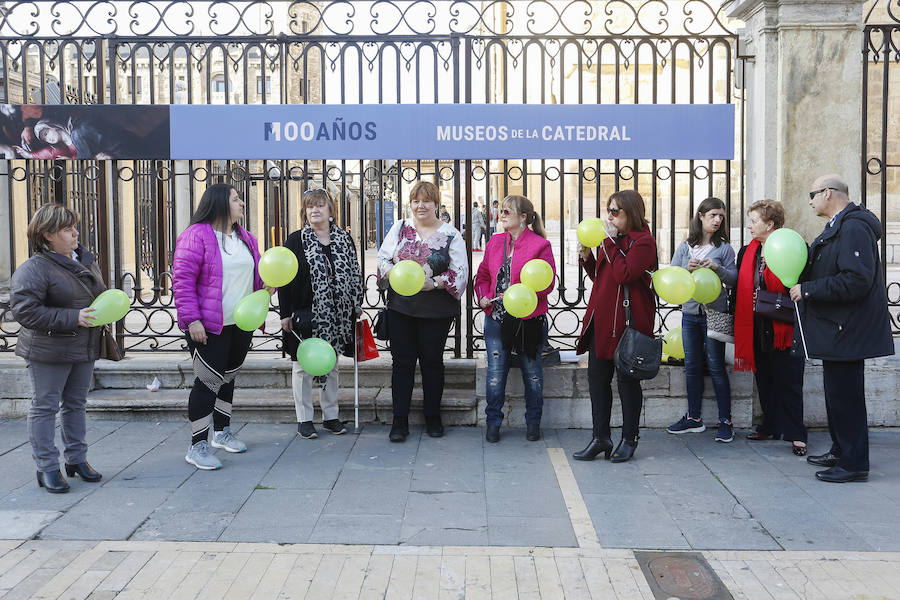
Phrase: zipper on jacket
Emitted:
{"points": [[616, 310]]}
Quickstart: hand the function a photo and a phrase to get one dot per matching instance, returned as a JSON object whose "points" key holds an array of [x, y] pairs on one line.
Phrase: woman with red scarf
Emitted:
{"points": [[763, 345]]}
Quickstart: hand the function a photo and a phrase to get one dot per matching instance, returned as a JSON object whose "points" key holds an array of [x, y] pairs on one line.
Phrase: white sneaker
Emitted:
{"points": [[225, 439], [199, 456]]}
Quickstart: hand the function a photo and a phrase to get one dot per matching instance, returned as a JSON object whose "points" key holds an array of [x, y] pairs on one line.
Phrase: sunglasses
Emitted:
{"points": [[817, 192], [613, 211], [505, 212], [315, 191]]}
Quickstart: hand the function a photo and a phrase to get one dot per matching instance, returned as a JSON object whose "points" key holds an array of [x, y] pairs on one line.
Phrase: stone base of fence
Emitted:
{"points": [[264, 394]]}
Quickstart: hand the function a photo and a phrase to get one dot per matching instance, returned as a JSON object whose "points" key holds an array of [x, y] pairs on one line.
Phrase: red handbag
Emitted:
{"points": [[365, 342]]}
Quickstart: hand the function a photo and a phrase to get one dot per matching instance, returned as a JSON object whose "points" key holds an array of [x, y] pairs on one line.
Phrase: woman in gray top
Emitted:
{"points": [[707, 246]]}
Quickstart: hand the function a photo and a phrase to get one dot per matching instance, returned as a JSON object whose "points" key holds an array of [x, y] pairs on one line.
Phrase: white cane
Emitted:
{"points": [[355, 383], [800, 325]]}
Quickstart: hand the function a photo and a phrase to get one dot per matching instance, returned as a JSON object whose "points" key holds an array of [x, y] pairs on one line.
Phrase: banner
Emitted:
{"points": [[402, 131]]}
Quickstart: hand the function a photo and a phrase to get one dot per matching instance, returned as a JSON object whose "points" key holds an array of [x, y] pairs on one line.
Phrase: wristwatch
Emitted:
{"points": [[434, 282]]}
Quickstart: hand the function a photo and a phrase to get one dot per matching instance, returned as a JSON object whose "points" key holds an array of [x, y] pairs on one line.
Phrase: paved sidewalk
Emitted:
{"points": [[350, 515]]}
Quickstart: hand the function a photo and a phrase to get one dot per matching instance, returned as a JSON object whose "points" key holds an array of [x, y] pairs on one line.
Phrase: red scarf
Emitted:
{"points": [[743, 313]]}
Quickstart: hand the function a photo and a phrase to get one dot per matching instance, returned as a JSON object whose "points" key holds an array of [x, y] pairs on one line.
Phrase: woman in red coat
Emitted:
{"points": [[624, 260]]}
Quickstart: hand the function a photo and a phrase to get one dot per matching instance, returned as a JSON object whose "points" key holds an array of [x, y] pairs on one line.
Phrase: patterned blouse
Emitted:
{"points": [[443, 253]]}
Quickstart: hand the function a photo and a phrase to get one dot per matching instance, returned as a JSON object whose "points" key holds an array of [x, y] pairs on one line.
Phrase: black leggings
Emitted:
{"points": [[216, 364], [600, 374]]}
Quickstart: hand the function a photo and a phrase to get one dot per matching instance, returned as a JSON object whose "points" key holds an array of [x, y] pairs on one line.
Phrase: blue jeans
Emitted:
{"points": [[498, 370], [698, 348]]}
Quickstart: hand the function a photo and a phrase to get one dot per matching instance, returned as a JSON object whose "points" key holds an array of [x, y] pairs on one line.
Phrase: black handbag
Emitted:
{"points": [[380, 325], [774, 305], [637, 354]]}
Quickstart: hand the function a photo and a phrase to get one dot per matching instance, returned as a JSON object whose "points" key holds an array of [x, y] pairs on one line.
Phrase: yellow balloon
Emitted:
{"points": [[519, 300], [672, 343], [673, 284], [250, 313], [407, 277], [537, 274], [707, 285], [591, 232], [278, 266], [110, 306]]}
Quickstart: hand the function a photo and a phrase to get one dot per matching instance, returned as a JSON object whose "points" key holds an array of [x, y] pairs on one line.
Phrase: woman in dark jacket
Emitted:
{"points": [[763, 345], [322, 301], [51, 296], [623, 262]]}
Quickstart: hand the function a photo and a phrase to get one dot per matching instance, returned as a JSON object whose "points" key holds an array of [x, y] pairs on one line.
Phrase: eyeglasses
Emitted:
{"points": [[613, 211], [315, 191], [817, 192], [505, 212]]}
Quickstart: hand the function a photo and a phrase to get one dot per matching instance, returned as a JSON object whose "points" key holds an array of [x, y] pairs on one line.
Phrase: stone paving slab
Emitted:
{"points": [[680, 492]]}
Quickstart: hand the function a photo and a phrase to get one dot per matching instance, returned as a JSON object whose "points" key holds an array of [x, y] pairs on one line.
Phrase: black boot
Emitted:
{"points": [[624, 451], [399, 429], [594, 448], [53, 482], [492, 434], [85, 471], [533, 433], [433, 426]]}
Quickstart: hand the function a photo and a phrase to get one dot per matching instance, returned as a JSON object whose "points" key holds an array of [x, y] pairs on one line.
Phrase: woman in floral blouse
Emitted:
{"points": [[419, 324]]}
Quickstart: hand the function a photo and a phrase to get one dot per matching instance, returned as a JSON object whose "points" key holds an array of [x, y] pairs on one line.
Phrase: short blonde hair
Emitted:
{"points": [[49, 218], [316, 197], [769, 210]]}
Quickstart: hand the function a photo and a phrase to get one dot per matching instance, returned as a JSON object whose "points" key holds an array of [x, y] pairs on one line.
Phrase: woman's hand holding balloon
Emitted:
{"points": [[197, 332], [86, 316], [584, 251], [287, 324]]}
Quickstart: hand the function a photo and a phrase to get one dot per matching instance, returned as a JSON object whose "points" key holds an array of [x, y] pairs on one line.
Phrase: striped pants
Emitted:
{"points": [[216, 365]]}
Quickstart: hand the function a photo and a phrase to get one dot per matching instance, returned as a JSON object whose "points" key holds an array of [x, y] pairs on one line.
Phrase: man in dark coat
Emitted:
{"points": [[844, 314]]}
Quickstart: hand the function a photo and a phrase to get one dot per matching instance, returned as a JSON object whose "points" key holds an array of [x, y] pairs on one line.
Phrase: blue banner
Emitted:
{"points": [[453, 131]]}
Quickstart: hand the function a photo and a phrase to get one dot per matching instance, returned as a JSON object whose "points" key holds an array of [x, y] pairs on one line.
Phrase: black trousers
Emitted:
{"points": [[845, 404], [779, 381], [600, 374], [417, 339], [216, 364]]}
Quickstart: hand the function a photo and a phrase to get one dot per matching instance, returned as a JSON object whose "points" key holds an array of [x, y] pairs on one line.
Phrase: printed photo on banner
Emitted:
{"points": [[98, 132]]}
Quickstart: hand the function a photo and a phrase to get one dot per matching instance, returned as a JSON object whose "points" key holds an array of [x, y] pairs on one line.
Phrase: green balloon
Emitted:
{"points": [[707, 285], [519, 300], [673, 284], [316, 356], [278, 266], [109, 307], [537, 274], [673, 344], [250, 313], [591, 232], [407, 277], [785, 253]]}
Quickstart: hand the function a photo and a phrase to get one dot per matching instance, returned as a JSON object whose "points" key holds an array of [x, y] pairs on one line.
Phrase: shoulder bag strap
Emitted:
{"points": [[70, 274]]}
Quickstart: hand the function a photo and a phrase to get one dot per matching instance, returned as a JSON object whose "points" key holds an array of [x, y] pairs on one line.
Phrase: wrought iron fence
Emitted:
{"points": [[354, 52]]}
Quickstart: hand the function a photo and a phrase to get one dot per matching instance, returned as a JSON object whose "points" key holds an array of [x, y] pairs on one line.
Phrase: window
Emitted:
{"points": [[218, 84], [134, 86], [259, 85]]}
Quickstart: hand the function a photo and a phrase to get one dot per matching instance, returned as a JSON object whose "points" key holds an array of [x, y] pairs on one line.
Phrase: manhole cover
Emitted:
{"points": [[681, 576]]}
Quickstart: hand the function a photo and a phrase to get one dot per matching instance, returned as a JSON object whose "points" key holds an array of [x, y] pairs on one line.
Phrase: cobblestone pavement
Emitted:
{"points": [[354, 516]]}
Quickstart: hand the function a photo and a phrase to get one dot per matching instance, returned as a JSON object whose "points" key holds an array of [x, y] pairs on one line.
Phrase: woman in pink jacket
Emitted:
{"points": [[524, 239], [215, 266]]}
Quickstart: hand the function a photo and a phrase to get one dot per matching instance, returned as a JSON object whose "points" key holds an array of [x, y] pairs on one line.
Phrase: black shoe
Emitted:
{"points": [[492, 434], [399, 429], [533, 433], [594, 448], [822, 460], [433, 426], [624, 451], [841, 475], [335, 426], [85, 471], [53, 482], [307, 430]]}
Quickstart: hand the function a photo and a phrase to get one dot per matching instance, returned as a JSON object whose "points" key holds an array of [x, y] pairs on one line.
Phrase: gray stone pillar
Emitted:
{"points": [[6, 265], [182, 195], [803, 84]]}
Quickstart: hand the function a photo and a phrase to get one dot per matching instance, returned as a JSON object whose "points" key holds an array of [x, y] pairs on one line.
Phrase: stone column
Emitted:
{"points": [[6, 265], [803, 99]]}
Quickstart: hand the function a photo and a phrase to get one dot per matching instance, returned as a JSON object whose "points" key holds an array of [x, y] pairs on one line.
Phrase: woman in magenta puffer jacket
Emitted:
{"points": [[215, 267]]}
